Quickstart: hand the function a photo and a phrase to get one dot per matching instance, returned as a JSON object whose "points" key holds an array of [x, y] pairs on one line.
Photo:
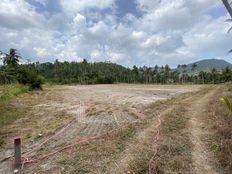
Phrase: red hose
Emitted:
{"points": [[26, 155], [154, 143]]}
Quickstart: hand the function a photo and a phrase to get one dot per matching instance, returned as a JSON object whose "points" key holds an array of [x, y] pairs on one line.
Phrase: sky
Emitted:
{"points": [[127, 32]]}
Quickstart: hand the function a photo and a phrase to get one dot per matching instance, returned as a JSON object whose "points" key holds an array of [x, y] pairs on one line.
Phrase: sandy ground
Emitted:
{"points": [[87, 110]]}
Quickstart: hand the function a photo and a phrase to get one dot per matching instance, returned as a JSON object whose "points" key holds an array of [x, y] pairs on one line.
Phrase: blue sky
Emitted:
{"points": [[127, 32]]}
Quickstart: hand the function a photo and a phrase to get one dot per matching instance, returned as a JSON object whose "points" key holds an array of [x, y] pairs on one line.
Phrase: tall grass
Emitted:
{"points": [[8, 112], [10, 91], [221, 121]]}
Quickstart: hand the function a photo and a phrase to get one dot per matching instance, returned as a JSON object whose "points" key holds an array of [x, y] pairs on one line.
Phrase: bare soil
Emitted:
{"points": [[88, 110], [202, 158]]}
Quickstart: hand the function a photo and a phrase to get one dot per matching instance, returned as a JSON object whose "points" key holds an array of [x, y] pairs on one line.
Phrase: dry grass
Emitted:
{"points": [[96, 156], [221, 121], [8, 112], [174, 153], [102, 155], [175, 146], [17, 116]]}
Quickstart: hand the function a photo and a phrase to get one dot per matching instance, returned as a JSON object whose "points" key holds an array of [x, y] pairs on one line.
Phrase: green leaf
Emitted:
{"points": [[228, 103]]}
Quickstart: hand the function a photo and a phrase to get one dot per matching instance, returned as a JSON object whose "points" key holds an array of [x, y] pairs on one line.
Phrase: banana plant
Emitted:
{"points": [[228, 103]]}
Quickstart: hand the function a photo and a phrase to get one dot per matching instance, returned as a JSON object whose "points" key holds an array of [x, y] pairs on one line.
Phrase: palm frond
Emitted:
{"points": [[229, 29], [230, 51], [228, 20], [228, 103]]}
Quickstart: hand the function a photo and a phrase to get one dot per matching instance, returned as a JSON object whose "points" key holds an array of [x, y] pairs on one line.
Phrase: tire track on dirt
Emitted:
{"points": [[202, 158]]}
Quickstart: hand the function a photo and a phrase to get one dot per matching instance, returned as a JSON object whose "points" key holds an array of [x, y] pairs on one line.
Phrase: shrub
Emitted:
{"points": [[30, 77]]}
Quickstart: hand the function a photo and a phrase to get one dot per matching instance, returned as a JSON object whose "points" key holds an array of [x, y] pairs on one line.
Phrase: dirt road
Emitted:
{"points": [[183, 146], [203, 159]]}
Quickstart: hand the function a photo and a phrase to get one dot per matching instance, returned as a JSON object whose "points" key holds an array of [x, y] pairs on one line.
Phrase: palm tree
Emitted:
{"points": [[184, 72], [194, 65], [214, 75], [226, 74], [11, 60]]}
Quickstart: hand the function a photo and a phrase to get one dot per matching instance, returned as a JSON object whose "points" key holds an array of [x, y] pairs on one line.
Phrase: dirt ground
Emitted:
{"points": [[202, 157], [78, 112]]}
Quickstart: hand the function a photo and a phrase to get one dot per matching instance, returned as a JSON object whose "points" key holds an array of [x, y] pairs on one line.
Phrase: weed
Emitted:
{"points": [[2, 142], [228, 103], [28, 135], [12, 91], [221, 122], [215, 147], [9, 113]]}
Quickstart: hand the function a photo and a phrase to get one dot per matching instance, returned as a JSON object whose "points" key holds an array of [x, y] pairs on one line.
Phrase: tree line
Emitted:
{"points": [[84, 72], [108, 73]]}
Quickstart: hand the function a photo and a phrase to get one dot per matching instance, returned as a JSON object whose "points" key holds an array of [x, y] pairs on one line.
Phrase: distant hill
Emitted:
{"points": [[206, 65]]}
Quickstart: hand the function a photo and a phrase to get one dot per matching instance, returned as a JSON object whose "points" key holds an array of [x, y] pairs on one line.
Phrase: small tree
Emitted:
{"points": [[11, 60]]}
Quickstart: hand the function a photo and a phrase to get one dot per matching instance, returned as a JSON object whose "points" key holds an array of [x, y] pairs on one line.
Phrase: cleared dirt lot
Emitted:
{"points": [[82, 111]]}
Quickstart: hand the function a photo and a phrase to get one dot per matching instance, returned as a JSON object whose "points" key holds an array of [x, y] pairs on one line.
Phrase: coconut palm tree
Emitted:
{"points": [[11, 60]]}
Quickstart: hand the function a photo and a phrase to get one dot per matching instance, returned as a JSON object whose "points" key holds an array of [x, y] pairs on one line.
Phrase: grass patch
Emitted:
{"points": [[9, 113], [123, 137], [96, 156], [221, 121], [11, 91], [2, 142], [174, 153]]}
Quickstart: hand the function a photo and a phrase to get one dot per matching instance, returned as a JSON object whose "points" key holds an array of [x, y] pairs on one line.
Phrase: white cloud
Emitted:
{"points": [[170, 32], [81, 5], [18, 15]]}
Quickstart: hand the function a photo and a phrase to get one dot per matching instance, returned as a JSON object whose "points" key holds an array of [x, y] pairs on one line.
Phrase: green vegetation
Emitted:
{"points": [[221, 127], [228, 103], [108, 73], [123, 137], [2, 142], [9, 113], [204, 65], [12, 72], [34, 74], [12, 91]]}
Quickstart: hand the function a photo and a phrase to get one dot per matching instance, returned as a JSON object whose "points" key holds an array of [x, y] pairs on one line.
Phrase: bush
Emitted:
{"points": [[36, 82], [28, 76]]}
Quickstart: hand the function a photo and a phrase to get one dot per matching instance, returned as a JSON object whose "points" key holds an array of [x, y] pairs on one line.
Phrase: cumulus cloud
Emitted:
{"points": [[81, 5], [170, 32], [17, 15]]}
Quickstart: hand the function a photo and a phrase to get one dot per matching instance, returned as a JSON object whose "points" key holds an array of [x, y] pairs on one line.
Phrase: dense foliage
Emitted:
{"points": [[12, 72], [107, 73], [83, 72]]}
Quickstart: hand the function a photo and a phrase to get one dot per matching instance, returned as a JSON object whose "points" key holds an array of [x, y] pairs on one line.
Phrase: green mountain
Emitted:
{"points": [[204, 65]]}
